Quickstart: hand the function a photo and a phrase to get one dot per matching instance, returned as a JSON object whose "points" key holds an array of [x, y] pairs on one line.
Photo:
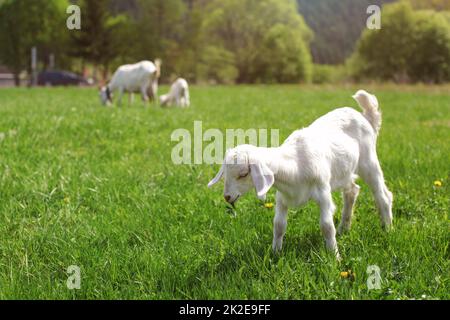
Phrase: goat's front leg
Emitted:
{"points": [[144, 95], [279, 224], [130, 98], [119, 97], [327, 208], [350, 194]]}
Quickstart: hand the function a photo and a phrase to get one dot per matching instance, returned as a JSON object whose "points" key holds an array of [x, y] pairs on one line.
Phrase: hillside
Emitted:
{"points": [[337, 25]]}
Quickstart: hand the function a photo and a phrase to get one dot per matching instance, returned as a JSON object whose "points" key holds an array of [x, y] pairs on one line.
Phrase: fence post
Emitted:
{"points": [[33, 66]]}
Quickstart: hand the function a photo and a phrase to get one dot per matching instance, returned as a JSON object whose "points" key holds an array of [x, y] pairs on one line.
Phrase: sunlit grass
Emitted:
{"points": [[85, 185]]}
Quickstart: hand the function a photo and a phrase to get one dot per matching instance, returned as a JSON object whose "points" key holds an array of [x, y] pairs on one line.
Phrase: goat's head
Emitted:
{"points": [[164, 100], [242, 169], [105, 96]]}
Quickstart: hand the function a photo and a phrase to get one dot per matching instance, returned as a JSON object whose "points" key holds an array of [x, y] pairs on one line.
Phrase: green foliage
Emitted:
{"points": [[95, 187], [217, 64], [158, 32], [285, 57], [431, 4], [247, 28], [101, 38], [244, 41], [384, 53], [25, 24], [430, 60], [192, 52], [325, 73], [411, 46]]}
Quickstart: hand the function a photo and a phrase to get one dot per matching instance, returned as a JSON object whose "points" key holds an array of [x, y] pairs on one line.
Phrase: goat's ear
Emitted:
{"points": [[262, 177], [217, 177]]}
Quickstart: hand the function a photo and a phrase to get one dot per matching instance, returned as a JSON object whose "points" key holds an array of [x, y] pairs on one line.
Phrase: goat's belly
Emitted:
{"points": [[301, 199], [133, 89], [343, 171], [295, 198], [134, 83]]}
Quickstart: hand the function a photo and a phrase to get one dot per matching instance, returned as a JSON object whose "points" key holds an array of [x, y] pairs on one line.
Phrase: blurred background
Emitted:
{"points": [[226, 41]]}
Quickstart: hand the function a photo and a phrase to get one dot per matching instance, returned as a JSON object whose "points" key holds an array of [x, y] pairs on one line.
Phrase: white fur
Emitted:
{"points": [[178, 94], [312, 162], [139, 77]]}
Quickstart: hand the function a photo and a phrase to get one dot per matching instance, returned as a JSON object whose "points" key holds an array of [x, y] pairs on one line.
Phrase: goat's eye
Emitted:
{"points": [[243, 175]]}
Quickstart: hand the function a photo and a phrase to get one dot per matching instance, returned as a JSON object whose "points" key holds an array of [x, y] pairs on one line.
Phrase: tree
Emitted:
{"points": [[430, 52], [159, 32], [411, 46], [285, 57], [196, 57], [431, 4], [26, 24], [217, 64], [101, 38], [241, 27]]}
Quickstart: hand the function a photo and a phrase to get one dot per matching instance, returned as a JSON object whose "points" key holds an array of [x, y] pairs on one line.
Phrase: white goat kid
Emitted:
{"points": [[178, 94], [312, 162], [139, 77]]}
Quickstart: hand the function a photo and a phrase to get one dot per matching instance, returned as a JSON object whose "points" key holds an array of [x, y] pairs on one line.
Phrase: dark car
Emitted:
{"points": [[60, 78]]}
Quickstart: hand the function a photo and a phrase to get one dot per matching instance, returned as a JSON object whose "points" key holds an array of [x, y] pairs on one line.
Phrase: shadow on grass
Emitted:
{"points": [[256, 260]]}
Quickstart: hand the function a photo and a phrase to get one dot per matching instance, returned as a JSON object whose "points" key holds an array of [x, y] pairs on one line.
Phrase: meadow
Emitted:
{"points": [[95, 187]]}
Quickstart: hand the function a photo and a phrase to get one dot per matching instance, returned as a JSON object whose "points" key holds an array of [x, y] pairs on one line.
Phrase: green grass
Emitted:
{"points": [[85, 185]]}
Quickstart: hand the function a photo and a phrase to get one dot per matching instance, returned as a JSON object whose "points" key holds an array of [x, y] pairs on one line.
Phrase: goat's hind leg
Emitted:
{"points": [[327, 208], [350, 194], [279, 224], [372, 174]]}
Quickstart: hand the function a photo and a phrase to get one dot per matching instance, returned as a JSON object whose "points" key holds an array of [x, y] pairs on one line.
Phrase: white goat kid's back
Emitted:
{"points": [[312, 162], [178, 94], [139, 77]]}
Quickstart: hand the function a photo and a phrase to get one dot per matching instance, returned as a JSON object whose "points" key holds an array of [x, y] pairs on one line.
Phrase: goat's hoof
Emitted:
{"points": [[388, 227], [342, 229], [276, 248]]}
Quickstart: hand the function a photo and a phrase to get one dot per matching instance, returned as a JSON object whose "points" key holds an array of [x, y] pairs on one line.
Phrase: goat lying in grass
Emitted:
{"points": [[178, 94], [312, 162], [139, 77]]}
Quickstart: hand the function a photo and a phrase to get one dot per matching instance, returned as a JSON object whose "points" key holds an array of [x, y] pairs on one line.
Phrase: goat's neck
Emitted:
{"points": [[111, 86], [280, 162]]}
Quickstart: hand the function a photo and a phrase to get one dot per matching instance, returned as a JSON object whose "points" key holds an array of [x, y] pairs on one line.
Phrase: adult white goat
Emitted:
{"points": [[139, 77], [178, 94], [312, 163]]}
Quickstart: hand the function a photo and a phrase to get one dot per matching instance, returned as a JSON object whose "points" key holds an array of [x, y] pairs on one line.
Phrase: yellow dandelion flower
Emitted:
{"points": [[268, 205], [438, 183], [344, 274]]}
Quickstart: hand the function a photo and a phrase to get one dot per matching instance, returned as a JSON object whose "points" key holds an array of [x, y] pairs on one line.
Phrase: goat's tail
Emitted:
{"points": [[158, 67], [369, 103]]}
